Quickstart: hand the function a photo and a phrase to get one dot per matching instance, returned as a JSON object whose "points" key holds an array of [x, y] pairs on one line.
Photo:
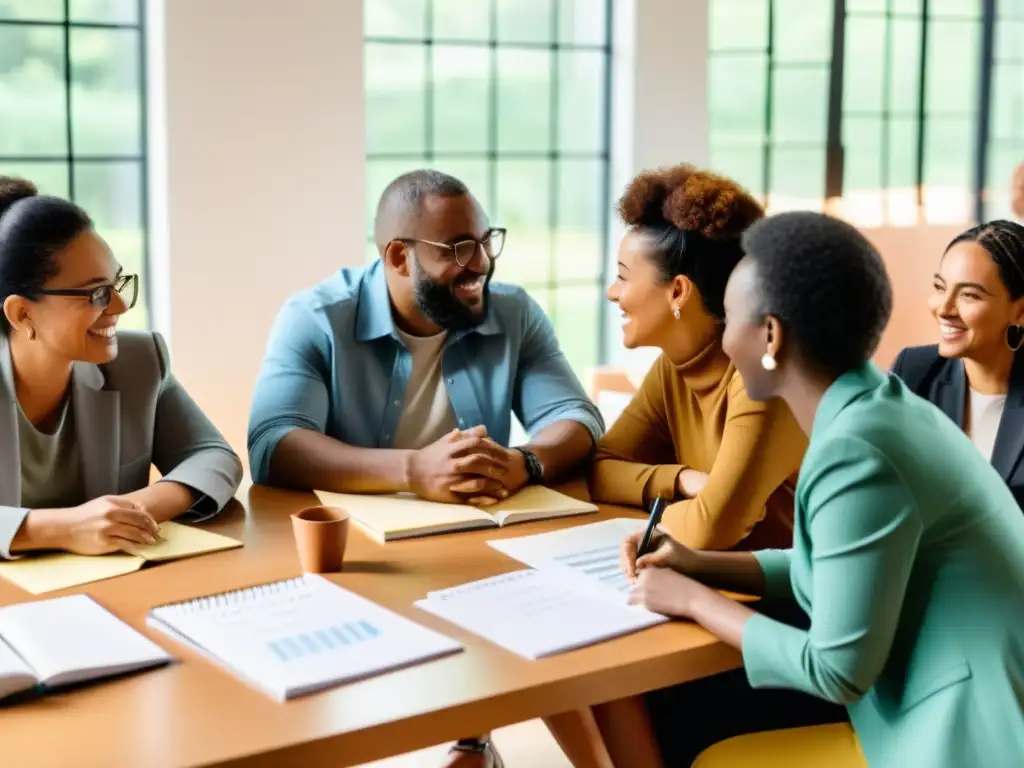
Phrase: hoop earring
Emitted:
{"points": [[768, 362], [1020, 337]]}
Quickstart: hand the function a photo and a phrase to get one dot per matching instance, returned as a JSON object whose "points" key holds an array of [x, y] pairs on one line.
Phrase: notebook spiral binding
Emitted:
{"points": [[237, 596]]}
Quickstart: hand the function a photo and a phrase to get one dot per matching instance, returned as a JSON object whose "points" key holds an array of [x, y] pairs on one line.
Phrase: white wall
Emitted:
{"points": [[256, 148], [659, 107]]}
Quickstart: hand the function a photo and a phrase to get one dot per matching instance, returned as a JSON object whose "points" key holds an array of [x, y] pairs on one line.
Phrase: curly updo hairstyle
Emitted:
{"points": [[693, 220], [34, 228], [1004, 241], [826, 284]]}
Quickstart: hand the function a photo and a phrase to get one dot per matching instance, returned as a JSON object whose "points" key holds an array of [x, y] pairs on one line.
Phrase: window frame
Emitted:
{"points": [[493, 155], [70, 157]]}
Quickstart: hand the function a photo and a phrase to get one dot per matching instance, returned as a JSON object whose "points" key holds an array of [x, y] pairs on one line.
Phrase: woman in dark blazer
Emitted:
{"points": [[85, 410], [975, 374]]}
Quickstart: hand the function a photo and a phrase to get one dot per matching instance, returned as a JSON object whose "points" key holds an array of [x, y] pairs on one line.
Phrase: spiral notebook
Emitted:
{"points": [[293, 637]]}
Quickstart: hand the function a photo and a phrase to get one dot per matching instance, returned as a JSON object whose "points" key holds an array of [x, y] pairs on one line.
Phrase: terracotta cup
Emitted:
{"points": [[320, 536]]}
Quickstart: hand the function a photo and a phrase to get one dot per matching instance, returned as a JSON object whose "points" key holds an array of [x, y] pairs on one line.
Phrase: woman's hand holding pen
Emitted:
{"points": [[661, 577], [664, 552]]}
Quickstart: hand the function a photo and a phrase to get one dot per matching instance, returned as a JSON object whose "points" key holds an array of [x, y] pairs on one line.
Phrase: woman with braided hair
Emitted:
{"points": [[975, 374]]}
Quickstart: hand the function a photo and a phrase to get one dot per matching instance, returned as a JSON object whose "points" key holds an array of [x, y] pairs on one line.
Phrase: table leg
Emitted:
{"points": [[580, 738], [627, 733]]}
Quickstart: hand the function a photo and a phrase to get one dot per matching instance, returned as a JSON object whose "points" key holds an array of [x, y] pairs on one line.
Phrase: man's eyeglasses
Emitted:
{"points": [[101, 296], [464, 250]]}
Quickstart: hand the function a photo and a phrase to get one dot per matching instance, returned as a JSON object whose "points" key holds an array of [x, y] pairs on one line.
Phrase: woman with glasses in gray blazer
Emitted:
{"points": [[85, 410]]}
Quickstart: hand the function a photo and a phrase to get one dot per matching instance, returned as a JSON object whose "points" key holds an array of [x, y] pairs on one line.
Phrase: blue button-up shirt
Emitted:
{"points": [[335, 364]]}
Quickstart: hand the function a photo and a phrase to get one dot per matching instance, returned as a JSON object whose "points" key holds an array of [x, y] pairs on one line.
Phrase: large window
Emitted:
{"points": [[511, 96], [72, 113], [769, 67], [1006, 125], [914, 105]]}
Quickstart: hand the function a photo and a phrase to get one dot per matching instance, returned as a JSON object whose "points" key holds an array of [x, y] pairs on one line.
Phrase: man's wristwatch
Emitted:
{"points": [[534, 469]]}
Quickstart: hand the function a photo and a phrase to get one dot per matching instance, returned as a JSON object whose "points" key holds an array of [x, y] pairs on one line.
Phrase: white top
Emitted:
{"points": [[427, 414], [984, 413]]}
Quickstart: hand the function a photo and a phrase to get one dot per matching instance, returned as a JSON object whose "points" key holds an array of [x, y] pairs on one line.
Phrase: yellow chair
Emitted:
{"points": [[834, 746]]}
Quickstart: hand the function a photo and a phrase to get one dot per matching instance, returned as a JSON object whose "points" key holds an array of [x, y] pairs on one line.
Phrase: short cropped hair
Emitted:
{"points": [[826, 284]]}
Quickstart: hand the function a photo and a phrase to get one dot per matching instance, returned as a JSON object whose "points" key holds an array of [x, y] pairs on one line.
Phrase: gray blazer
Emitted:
{"points": [[128, 415]]}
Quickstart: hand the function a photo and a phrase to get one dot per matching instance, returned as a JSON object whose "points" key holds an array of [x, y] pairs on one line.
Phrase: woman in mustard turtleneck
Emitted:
{"points": [[726, 464]]}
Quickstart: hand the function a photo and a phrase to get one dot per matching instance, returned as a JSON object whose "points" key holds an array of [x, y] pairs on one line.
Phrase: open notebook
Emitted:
{"points": [[401, 516], [301, 635], [68, 640], [47, 573]]}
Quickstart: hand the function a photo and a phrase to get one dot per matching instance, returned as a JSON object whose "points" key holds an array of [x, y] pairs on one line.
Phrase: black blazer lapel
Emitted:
{"points": [[950, 391], [1006, 453]]}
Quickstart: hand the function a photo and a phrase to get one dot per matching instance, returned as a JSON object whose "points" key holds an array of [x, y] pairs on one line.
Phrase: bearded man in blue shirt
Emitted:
{"points": [[403, 375]]}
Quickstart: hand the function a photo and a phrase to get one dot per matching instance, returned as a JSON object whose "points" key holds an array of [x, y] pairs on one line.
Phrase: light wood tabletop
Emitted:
{"points": [[194, 713]]}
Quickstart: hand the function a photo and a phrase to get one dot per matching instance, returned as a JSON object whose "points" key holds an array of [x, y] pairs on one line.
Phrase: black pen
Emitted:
{"points": [[657, 509]]}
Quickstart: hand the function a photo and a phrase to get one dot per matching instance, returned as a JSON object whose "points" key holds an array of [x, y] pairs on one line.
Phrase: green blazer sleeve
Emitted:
{"points": [[775, 564], [864, 528]]}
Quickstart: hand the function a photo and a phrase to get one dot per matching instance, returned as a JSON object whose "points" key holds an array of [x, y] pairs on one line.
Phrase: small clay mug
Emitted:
{"points": [[320, 536]]}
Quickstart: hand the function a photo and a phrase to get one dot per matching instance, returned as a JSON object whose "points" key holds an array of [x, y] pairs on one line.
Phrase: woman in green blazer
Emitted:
{"points": [[908, 551]]}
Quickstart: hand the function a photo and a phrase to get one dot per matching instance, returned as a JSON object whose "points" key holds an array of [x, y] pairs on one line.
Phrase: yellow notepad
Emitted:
{"points": [[46, 573], [402, 516]]}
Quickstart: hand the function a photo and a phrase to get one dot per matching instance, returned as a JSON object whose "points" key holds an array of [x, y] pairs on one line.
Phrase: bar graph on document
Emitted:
{"points": [[600, 564], [319, 641], [299, 635], [591, 553]]}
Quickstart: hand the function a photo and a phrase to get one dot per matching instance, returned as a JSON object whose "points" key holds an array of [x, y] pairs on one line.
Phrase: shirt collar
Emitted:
{"points": [[844, 390], [374, 319]]}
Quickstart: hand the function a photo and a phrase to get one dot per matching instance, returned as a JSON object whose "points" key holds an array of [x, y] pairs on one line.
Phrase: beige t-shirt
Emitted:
{"points": [[984, 413], [427, 413]]}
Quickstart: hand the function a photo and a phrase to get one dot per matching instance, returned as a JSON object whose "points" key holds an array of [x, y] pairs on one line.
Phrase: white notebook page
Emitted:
{"points": [[14, 672], [536, 613], [587, 553], [301, 635], [72, 639]]}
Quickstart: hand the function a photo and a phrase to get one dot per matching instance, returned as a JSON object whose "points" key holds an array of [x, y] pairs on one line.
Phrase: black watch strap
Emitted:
{"points": [[534, 469]]}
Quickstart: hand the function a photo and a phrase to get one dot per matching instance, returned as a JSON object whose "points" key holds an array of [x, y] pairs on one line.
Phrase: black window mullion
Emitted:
{"points": [[988, 26], [922, 105], [834, 139]]}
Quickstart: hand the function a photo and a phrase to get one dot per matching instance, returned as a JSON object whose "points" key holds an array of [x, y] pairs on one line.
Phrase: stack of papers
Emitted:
{"points": [[575, 597]]}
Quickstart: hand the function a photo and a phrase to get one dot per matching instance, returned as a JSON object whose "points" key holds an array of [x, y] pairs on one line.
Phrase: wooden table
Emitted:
{"points": [[193, 713]]}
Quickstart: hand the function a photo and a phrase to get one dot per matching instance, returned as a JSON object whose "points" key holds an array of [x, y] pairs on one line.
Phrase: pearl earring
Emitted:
{"points": [[676, 314], [768, 362]]}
